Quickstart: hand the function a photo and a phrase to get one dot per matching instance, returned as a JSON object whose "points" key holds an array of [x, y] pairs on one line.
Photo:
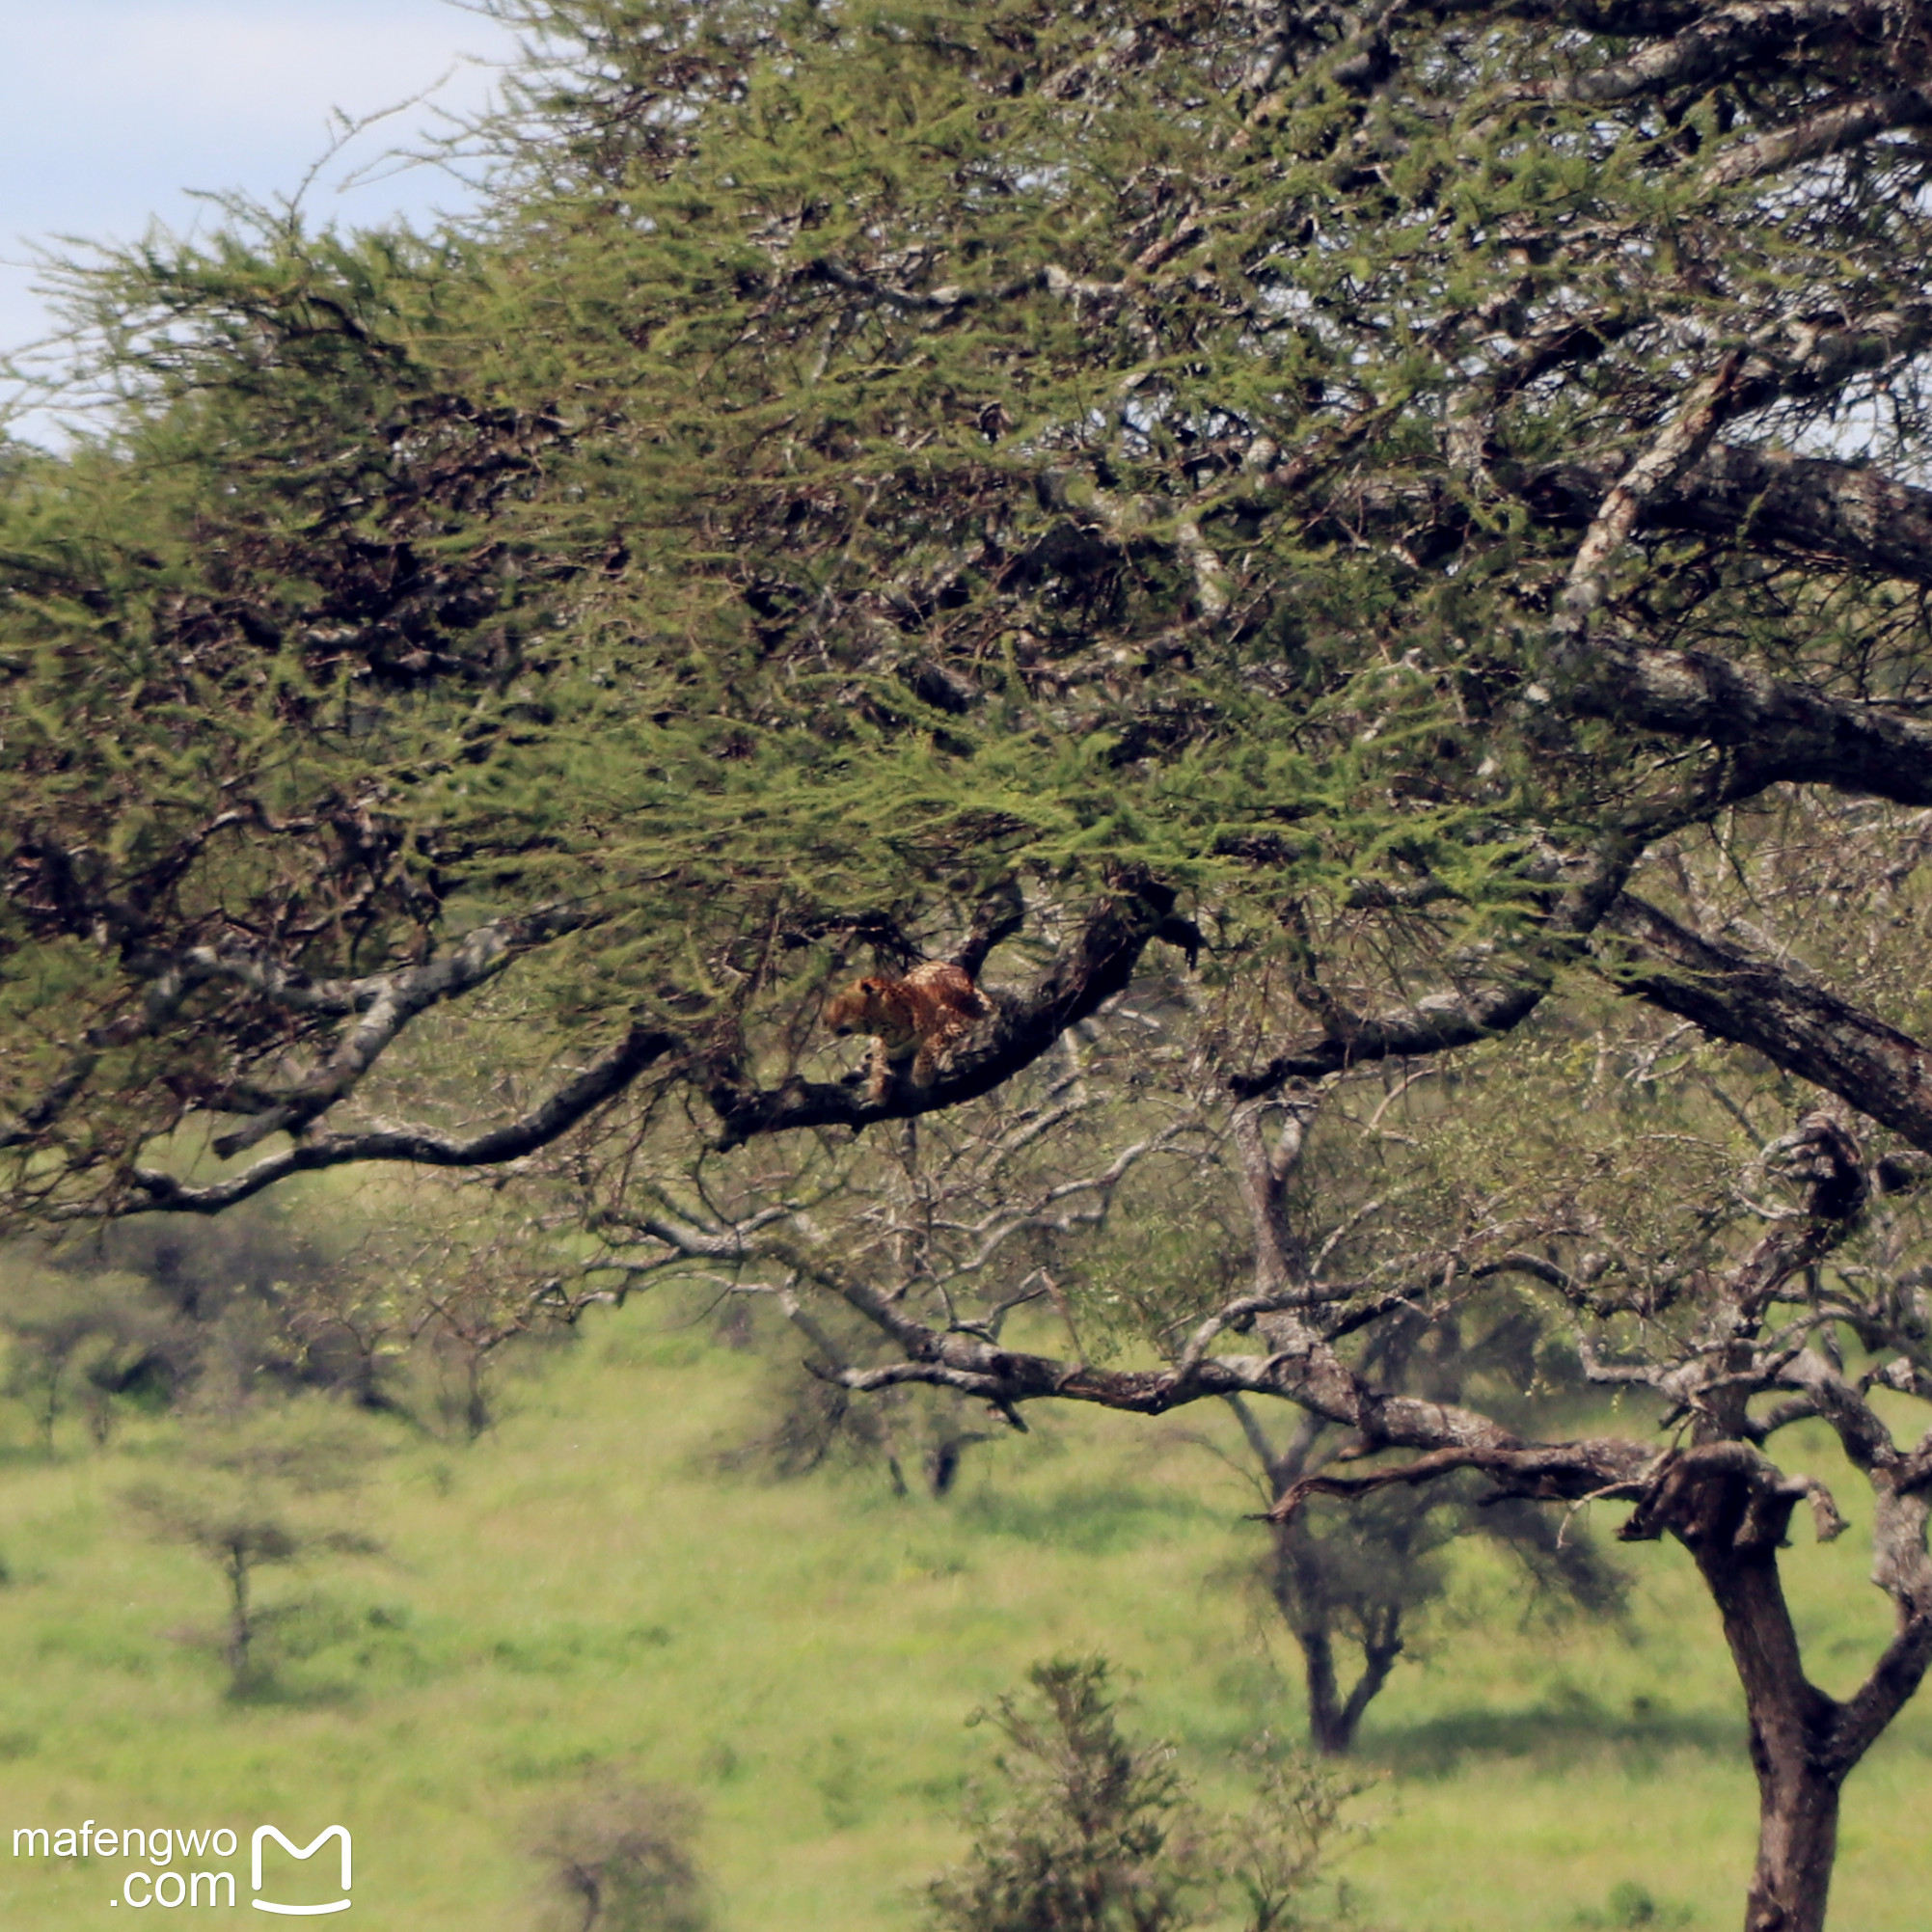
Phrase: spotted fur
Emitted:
{"points": [[917, 1018]]}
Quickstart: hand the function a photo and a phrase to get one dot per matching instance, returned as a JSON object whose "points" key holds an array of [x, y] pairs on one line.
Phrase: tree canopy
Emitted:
{"points": [[1397, 465], [1396, 530]]}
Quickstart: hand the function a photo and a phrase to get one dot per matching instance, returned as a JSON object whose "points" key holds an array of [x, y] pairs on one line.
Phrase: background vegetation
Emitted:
{"points": [[581, 1599]]}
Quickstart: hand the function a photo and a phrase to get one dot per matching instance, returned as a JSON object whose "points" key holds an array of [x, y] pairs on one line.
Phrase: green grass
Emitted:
{"points": [[582, 1596]]}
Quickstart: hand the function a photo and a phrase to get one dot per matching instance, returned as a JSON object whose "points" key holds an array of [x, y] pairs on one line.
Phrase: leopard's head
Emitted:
{"points": [[855, 1009]]}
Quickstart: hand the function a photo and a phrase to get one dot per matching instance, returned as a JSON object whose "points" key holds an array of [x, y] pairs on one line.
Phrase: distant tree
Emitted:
{"points": [[1362, 1580], [250, 1497], [620, 1860], [86, 1340], [150, 1310], [1354, 1587], [806, 1424]]}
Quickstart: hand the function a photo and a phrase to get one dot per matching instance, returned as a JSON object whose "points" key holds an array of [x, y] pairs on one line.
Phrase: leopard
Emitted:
{"points": [[918, 1019]]}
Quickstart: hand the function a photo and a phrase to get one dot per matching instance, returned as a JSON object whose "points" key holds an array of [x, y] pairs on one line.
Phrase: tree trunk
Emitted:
{"points": [[1301, 1595], [242, 1627], [1797, 1842], [1325, 1728], [1380, 1650], [1793, 1726], [50, 1414], [477, 1404], [1332, 1721]]}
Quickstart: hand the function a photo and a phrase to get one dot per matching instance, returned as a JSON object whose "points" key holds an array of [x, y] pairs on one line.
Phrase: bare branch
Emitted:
{"points": [[383, 1006], [1563, 1472], [1721, 40], [1798, 1023], [1831, 131], [1679, 444], [601, 1080]]}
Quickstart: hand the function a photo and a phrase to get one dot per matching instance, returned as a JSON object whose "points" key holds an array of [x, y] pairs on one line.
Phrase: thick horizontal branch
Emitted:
{"points": [[1829, 131], [1786, 732], [379, 1007], [1437, 1024], [1806, 505], [601, 1080], [1810, 508], [1563, 1472], [1303, 1369], [1718, 44], [1009, 1379], [1781, 1013], [1440, 1023], [1089, 972]]}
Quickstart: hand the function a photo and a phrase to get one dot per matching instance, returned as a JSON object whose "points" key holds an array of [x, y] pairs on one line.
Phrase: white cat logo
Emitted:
{"points": [[307, 1851]]}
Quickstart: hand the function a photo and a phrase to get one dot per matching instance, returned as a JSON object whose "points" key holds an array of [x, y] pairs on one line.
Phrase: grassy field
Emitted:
{"points": [[582, 1598]]}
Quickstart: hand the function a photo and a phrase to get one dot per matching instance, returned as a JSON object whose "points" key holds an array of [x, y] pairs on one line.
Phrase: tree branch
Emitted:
{"points": [[383, 1005], [1786, 732], [1568, 1471], [601, 1080], [1098, 964], [1829, 131], [1807, 506], [1718, 44], [1744, 998]]}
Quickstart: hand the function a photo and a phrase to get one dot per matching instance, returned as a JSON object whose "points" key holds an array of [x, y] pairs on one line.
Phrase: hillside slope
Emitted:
{"points": [[582, 1599]]}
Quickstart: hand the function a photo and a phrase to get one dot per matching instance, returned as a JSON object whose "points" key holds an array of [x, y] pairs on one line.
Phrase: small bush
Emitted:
{"points": [[1630, 1905], [1102, 1835]]}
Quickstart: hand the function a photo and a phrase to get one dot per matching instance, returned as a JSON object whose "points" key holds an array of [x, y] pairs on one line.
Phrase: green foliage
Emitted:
{"points": [[1098, 1834], [846, 467], [1096, 1837], [1280, 1852]]}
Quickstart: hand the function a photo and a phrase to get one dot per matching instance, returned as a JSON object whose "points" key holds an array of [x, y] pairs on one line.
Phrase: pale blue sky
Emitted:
{"points": [[112, 110]]}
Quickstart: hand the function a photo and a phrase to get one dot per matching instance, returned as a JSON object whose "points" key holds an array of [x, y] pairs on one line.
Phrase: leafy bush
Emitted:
{"points": [[1103, 1835]]}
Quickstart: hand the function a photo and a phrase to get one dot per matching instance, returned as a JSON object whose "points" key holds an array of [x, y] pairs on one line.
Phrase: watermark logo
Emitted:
{"points": [[164, 1849], [305, 1852]]}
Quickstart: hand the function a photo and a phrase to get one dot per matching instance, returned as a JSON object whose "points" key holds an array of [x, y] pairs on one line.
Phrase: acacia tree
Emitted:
{"points": [[1414, 504], [1364, 1583], [248, 1503]]}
